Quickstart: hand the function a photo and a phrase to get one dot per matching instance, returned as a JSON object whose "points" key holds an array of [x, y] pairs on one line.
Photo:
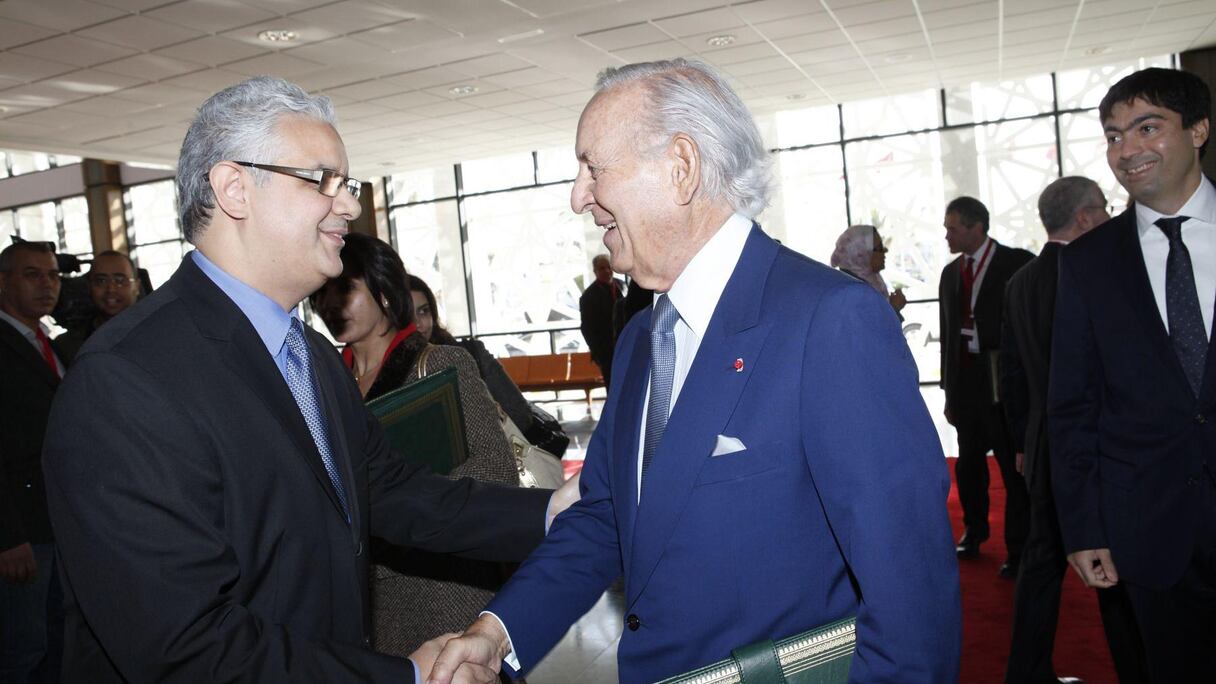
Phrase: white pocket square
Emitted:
{"points": [[727, 445]]}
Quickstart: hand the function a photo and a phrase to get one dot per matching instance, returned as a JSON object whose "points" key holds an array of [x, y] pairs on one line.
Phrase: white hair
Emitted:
{"points": [[237, 124], [688, 96]]}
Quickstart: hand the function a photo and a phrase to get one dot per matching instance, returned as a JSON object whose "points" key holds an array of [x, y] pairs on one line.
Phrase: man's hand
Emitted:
{"points": [[1095, 567], [481, 648], [563, 498], [1019, 462], [17, 565], [426, 654]]}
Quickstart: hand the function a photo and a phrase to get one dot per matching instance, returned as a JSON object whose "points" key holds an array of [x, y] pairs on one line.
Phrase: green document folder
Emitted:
{"points": [[423, 422], [818, 656]]}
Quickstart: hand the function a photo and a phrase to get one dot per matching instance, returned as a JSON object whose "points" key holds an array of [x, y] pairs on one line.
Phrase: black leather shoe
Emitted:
{"points": [[1070, 680], [1009, 569], [969, 544]]}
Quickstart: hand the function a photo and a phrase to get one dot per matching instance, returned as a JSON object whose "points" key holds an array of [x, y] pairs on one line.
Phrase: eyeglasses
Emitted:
{"points": [[103, 279], [328, 181]]}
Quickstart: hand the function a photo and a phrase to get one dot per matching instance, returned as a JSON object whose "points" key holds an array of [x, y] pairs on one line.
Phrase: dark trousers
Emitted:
{"points": [[981, 427], [31, 624], [1178, 624], [1036, 603]]}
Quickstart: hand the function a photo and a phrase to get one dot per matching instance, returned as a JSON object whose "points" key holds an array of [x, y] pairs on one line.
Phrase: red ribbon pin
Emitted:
{"points": [[738, 365]]}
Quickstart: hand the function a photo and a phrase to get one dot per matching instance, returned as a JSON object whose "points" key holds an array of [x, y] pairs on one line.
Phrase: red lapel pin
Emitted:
{"points": [[738, 365]]}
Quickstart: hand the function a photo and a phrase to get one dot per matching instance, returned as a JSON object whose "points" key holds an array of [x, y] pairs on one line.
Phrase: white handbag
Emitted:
{"points": [[537, 467]]}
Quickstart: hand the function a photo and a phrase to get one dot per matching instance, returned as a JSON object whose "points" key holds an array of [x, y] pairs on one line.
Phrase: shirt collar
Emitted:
{"points": [[268, 318], [1201, 205], [26, 331], [696, 291], [980, 250]]}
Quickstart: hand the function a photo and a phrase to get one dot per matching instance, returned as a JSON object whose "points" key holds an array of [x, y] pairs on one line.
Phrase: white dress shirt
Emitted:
{"points": [[985, 252], [1199, 235], [695, 294], [32, 337]]}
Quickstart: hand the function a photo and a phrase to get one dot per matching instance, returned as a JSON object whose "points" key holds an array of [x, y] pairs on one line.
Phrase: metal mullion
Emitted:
{"points": [[463, 223], [1055, 114]]}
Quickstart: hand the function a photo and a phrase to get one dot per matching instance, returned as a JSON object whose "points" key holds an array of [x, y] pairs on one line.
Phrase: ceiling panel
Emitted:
{"points": [[13, 33], [212, 50], [625, 37], [73, 49], [139, 32], [210, 16], [63, 15], [404, 34]]}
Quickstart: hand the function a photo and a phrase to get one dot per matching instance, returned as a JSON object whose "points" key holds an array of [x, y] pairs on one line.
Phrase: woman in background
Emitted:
{"points": [[861, 254], [546, 434], [414, 595]]}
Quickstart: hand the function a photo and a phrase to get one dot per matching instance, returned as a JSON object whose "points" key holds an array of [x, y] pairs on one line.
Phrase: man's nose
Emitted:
{"points": [[580, 194], [347, 205]]}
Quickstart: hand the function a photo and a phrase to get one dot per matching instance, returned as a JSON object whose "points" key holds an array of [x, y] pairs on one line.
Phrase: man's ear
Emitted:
{"points": [[686, 167], [1199, 132], [230, 188]]}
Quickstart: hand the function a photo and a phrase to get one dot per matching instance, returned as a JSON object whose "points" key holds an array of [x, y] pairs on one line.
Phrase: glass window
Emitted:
{"points": [[895, 114], [27, 162], [531, 258], [896, 184], [152, 213], [427, 236], [807, 211], [497, 173], [421, 184], [8, 227], [76, 235], [1085, 88], [556, 164], [36, 223], [809, 126], [161, 259], [1084, 148], [1001, 100]]}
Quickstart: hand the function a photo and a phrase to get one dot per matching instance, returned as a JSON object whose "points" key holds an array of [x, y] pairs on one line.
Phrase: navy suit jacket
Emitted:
{"points": [[836, 507], [1128, 436]]}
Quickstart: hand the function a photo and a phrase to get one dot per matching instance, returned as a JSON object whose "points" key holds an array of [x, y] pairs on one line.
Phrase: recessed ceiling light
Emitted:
{"points": [[522, 36], [277, 36], [462, 90], [897, 57], [1099, 50], [794, 97], [720, 41]]}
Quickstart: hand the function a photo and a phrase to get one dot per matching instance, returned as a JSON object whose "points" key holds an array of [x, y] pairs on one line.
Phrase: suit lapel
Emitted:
{"points": [[706, 401], [22, 347], [237, 343]]}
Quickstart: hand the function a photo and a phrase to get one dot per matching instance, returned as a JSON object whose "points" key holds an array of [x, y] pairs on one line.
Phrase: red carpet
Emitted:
{"points": [[1081, 649]]}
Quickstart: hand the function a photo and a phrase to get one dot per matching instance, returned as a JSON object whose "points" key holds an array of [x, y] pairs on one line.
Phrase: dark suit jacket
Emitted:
{"points": [[836, 505], [1129, 439], [1030, 302], [1005, 261], [595, 313], [26, 390], [200, 537]]}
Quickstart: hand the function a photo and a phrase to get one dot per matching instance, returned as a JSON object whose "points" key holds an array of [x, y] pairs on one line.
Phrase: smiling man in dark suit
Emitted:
{"points": [[212, 472], [970, 302], [1132, 397]]}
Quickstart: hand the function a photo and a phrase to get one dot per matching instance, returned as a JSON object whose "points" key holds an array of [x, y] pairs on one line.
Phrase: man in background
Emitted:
{"points": [[1132, 397], [595, 309], [113, 287], [1068, 208], [31, 365], [970, 301]]}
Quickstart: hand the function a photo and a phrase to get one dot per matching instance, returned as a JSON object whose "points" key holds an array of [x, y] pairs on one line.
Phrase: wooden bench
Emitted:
{"points": [[554, 372]]}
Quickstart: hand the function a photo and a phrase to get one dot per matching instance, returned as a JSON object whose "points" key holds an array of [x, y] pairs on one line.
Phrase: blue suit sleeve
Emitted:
{"points": [[878, 469]]}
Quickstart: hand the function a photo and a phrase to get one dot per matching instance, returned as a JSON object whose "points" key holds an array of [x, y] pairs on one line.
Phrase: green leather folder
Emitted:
{"points": [[423, 422], [818, 656]]}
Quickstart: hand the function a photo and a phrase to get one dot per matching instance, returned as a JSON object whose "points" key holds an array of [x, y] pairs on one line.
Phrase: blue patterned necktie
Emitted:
{"points": [[1182, 311], [662, 373], [304, 389]]}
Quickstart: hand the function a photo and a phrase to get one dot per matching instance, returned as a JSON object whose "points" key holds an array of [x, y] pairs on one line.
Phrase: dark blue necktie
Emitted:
{"points": [[662, 374], [304, 389], [1183, 314]]}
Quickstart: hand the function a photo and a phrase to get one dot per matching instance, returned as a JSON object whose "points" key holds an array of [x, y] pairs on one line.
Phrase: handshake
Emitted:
{"points": [[473, 657]]}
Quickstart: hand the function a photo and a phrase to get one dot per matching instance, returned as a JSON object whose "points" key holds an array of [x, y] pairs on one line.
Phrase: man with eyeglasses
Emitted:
{"points": [[214, 508], [113, 287], [31, 365]]}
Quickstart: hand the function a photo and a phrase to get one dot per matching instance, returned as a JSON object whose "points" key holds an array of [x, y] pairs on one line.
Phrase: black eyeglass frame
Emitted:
{"points": [[328, 181]]}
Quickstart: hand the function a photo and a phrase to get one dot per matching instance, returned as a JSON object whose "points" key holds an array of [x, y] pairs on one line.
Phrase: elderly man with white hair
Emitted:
{"points": [[764, 463]]}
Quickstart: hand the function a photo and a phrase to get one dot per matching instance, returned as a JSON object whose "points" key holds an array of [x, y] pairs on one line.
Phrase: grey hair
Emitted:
{"points": [[1060, 200], [237, 124], [688, 96]]}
